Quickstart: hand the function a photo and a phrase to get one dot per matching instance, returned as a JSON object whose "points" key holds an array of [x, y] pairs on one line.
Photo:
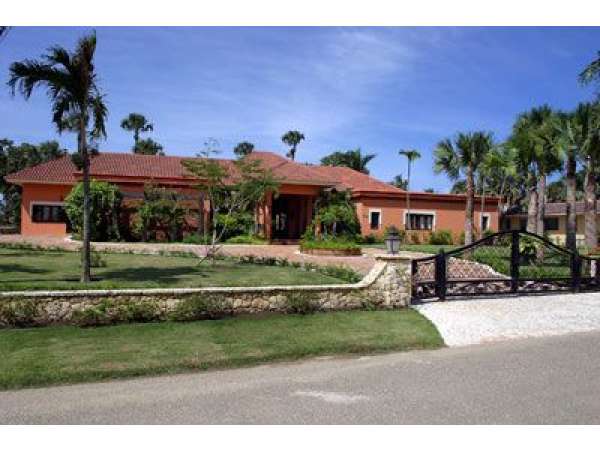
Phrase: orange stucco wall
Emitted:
{"points": [[42, 193], [449, 214]]}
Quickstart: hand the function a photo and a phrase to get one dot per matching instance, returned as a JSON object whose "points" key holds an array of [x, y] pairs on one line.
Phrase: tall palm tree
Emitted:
{"points": [[243, 149], [354, 159], [591, 72], [534, 138], [70, 80], [499, 174], [588, 132], [570, 130], [292, 138], [411, 155], [138, 124], [464, 156]]}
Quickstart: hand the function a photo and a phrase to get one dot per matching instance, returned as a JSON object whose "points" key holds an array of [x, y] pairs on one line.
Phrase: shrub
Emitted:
{"points": [[341, 272], [199, 308], [246, 239], [488, 232], [300, 303], [94, 316], [21, 313], [441, 237], [97, 260], [368, 239], [329, 244], [368, 305], [195, 239], [105, 201], [145, 311]]}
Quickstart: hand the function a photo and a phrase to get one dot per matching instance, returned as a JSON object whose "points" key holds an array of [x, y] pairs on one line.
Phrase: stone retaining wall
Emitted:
{"points": [[387, 286]]}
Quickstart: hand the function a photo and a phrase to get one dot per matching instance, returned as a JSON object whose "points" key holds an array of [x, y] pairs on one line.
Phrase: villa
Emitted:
{"points": [[282, 218]]}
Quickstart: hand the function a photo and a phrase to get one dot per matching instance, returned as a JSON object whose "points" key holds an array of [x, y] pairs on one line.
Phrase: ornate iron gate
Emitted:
{"points": [[509, 262]]}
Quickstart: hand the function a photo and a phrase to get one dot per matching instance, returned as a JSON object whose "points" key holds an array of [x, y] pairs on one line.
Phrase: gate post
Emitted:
{"points": [[440, 275], [515, 259], [575, 272]]}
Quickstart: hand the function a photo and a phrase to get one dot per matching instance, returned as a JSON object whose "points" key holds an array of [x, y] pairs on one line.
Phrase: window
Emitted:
{"points": [[48, 214], [420, 221], [485, 222], [375, 219], [551, 224]]}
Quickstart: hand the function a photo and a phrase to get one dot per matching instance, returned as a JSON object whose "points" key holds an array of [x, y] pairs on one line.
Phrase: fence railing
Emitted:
{"points": [[503, 263]]}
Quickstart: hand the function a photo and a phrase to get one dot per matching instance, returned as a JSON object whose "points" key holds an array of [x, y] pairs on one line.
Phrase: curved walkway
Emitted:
{"points": [[361, 264]]}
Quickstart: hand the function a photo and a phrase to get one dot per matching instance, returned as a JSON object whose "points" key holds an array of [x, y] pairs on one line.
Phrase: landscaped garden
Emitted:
{"points": [[36, 269], [67, 354]]}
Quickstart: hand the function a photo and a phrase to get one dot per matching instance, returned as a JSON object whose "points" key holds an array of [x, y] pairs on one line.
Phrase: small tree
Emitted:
{"points": [[161, 210], [292, 138], [335, 214], [230, 190], [105, 206], [243, 149]]}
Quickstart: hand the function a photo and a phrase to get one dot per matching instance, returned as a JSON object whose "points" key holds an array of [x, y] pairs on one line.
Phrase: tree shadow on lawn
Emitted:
{"points": [[166, 275], [11, 267]]}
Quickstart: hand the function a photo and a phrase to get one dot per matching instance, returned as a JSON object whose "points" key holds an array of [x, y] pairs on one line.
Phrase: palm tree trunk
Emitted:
{"points": [[532, 206], [407, 225], [591, 232], [469, 207], [571, 202], [541, 205], [85, 250]]}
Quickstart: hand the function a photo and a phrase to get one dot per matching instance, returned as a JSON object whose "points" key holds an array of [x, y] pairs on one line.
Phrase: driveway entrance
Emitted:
{"points": [[466, 322]]}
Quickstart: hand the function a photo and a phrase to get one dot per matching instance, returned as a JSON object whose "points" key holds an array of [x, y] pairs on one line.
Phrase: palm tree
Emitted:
{"points": [[535, 138], [570, 128], [148, 147], [243, 149], [138, 124], [70, 81], [354, 159], [411, 155], [400, 182], [588, 140], [464, 155], [591, 72], [292, 138]]}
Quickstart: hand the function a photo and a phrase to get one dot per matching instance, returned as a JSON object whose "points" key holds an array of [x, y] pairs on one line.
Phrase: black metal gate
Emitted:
{"points": [[509, 262]]}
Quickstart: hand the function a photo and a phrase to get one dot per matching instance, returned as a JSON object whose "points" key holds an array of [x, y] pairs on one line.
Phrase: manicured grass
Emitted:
{"points": [[67, 354], [39, 269]]}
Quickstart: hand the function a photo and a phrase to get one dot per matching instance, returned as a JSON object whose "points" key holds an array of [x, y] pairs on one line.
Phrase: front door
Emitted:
{"points": [[290, 216]]}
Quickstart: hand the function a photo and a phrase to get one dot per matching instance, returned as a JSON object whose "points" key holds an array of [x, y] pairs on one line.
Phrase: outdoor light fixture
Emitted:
{"points": [[392, 241]]}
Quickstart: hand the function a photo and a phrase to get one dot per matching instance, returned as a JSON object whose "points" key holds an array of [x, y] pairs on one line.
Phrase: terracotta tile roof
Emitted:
{"points": [[109, 165], [357, 181]]}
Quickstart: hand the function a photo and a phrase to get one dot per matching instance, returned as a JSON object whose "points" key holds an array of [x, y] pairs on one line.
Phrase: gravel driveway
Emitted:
{"points": [[466, 322]]}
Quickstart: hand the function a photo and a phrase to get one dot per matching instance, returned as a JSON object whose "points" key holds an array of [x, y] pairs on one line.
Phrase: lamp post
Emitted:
{"points": [[392, 241]]}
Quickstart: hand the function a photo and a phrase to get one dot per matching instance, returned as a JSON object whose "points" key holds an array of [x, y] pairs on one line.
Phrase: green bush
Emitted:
{"points": [[197, 240], [105, 202], [341, 272], [247, 239], [97, 260], [488, 233], [145, 311], [368, 239], [300, 303], [94, 316], [199, 308], [329, 244], [441, 237], [21, 313]]}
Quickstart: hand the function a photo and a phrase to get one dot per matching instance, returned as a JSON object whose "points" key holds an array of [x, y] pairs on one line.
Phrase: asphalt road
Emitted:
{"points": [[531, 381]]}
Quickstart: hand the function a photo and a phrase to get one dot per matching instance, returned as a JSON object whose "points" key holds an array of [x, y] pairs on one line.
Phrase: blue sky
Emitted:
{"points": [[381, 89]]}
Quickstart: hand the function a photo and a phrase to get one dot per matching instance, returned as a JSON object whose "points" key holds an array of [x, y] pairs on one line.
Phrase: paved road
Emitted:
{"points": [[543, 380]]}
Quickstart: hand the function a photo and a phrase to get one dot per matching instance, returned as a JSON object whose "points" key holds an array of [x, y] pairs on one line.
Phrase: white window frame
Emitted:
{"points": [[489, 219], [430, 212], [43, 203], [375, 210]]}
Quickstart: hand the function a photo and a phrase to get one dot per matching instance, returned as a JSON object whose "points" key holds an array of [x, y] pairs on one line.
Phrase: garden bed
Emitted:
{"points": [[332, 251]]}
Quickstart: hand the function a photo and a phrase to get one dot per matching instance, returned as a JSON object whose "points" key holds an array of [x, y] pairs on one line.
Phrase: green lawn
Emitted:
{"points": [[66, 354], [39, 269]]}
